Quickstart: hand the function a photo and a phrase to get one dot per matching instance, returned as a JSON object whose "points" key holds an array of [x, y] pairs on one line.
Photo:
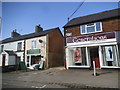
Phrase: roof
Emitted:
{"points": [[10, 52], [31, 35], [94, 17]]}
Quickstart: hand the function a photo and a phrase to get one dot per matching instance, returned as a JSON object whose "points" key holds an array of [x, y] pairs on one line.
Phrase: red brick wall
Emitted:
{"points": [[107, 26], [55, 49], [111, 25]]}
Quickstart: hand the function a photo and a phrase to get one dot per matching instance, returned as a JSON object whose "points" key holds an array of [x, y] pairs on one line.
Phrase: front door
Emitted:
{"points": [[94, 56], [3, 60]]}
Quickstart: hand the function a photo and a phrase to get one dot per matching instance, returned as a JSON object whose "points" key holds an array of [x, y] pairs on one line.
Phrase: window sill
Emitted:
{"points": [[80, 66], [90, 33], [110, 67], [20, 51]]}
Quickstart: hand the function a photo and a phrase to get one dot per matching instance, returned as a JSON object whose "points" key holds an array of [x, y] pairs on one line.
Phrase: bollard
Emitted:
{"points": [[94, 68]]}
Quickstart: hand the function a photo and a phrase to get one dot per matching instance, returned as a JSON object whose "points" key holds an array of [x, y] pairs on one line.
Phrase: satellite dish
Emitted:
{"points": [[41, 41]]}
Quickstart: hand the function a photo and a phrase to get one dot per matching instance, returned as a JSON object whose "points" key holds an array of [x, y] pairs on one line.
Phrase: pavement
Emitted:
{"points": [[61, 78]]}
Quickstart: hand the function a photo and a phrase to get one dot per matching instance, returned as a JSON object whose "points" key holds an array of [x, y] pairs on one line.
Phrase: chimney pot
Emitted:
{"points": [[38, 28], [14, 33]]}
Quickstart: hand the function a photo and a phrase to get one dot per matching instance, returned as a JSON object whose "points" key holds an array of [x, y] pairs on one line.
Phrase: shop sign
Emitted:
{"points": [[94, 37], [33, 51]]}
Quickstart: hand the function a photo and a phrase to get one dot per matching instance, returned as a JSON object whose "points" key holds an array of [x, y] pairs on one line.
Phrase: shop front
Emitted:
{"points": [[33, 57], [103, 48]]}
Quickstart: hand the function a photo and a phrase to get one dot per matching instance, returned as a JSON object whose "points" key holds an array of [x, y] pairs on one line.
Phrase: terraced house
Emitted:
{"points": [[46, 45], [94, 37], [12, 50]]}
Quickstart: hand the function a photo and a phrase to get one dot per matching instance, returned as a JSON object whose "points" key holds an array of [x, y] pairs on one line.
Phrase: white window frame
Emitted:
{"points": [[20, 46], [34, 42], [91, 26]]}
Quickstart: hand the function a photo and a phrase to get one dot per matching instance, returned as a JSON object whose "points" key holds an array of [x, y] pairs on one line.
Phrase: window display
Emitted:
{"points": [[105, 56], [109, 53], [109, 57], [77, 55]]}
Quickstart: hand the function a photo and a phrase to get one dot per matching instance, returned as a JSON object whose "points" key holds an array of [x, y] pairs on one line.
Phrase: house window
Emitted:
{"points": [[34, 44], [19, 46], [91, 28], [2, 47]]}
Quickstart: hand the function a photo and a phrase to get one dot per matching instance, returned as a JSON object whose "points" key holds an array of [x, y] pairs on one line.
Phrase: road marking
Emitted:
{"points": [[33, 86], [38, 87], [34, 73], [43, 86]]}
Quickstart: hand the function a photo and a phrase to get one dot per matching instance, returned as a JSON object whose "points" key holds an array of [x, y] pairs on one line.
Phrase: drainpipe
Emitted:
{"points": [[47, 51]]}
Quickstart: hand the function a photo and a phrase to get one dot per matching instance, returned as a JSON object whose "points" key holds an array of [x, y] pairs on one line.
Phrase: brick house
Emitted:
{"points": [[94, 37]]}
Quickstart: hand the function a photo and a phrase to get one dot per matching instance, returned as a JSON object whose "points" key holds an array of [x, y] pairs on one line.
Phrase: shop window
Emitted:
{"points": [[19, 46], [109, 56], [34, 44], [119, 55], [78, 56], [91, 28], [83, 51], [28, 57]]}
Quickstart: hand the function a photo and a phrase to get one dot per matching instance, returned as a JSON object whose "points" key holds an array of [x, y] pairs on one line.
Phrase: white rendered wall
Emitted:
{"points": [[12, 46]]}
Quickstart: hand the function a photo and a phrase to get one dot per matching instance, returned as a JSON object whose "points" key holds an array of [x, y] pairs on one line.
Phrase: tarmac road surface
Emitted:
{"points": [[61, 78]]}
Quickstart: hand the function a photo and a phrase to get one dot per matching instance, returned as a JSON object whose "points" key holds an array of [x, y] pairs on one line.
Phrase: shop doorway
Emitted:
{"points": [[35, 59], [94, 56], [31, 60]]}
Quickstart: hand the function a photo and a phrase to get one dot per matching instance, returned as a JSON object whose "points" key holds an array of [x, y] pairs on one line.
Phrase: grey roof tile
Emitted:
{"points": [[27, 36], [93, 17]]}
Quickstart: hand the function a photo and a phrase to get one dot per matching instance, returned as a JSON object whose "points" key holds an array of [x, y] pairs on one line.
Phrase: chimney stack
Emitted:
{"points": [[14, 34], [38, 29]]}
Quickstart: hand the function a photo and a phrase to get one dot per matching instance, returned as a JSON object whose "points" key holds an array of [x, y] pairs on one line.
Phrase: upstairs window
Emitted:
{"points": [[91, 28], [19, 46], [33, 44]]}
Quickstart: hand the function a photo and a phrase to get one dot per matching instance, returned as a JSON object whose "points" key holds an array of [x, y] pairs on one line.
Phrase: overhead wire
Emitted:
{"points": [[76, 10]]}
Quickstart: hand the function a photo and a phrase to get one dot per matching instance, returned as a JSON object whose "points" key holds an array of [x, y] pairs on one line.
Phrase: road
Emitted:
{"points": [[28, 80], [61, 78]]}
